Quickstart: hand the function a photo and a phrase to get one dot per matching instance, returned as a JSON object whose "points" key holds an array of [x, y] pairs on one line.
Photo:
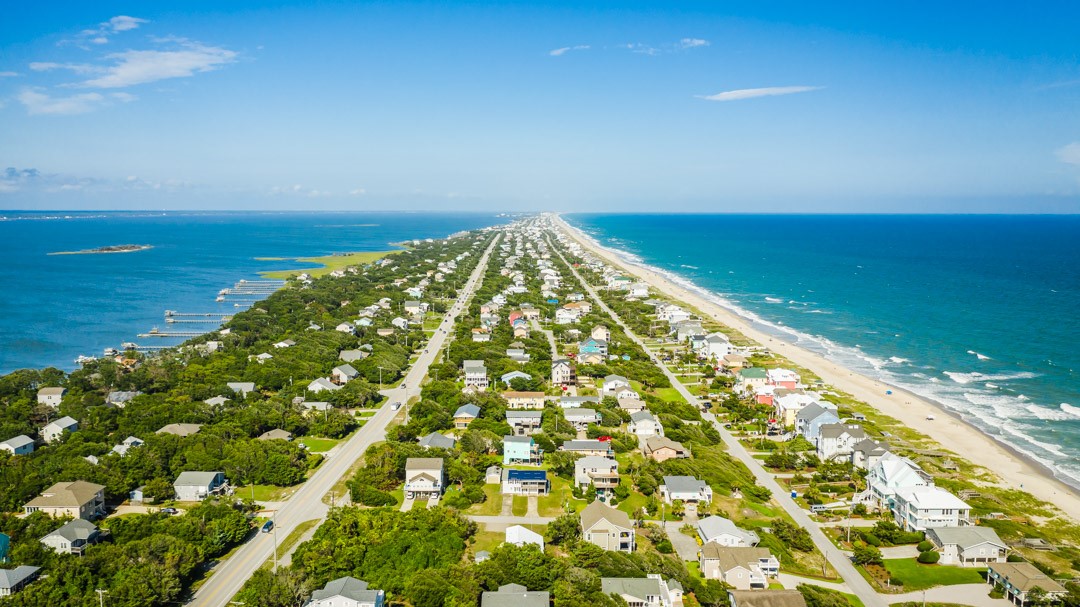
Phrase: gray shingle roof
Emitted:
{"points": [[348, 587]]}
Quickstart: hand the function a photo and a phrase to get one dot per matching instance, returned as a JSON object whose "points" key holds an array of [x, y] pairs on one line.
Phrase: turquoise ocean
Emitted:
{"points": [[978, 313], [54, 308]]}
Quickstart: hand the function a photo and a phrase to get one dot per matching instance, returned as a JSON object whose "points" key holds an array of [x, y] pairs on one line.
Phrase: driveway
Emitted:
{"points": [[507, 505], [900, 552], [534, 506], [791, 581], [685, 546], [407, 504]]}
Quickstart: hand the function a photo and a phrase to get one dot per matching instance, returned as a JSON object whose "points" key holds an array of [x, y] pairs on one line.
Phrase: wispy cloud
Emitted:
{"points": [[674, 47], [1070, 154], [566, 49], [32, 180], [693, 42], [101, 33], [78, 68], [771, 91], [139, 67], [8, 74], [38, 103]]}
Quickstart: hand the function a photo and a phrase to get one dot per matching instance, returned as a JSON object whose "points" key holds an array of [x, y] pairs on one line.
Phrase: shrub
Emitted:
{"points": [[1015, 558], [868, 555], [664, 546], [369, 496], [871, 539], [895, 581], [925, 546], [929, 557]]}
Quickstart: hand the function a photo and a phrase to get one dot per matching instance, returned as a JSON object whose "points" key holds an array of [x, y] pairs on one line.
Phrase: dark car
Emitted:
{"points": [[170, 511], [267, 526]]}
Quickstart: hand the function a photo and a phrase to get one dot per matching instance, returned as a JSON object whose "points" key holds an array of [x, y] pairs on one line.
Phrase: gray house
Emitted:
{"points": [[73, 537], [19, 445], [13, 580], [196, 486], [514, 595], [347, 592]]}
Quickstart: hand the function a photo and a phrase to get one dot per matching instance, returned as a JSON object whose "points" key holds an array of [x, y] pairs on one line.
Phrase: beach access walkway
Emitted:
{"points": [[858, 585], [307, 504]]}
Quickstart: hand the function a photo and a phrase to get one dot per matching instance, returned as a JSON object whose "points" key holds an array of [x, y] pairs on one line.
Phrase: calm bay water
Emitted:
{"points": [[980, 313], [57, 307]]}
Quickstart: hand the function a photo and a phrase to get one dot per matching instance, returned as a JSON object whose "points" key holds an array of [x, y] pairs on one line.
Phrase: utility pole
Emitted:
{"points": [[101, 596]]}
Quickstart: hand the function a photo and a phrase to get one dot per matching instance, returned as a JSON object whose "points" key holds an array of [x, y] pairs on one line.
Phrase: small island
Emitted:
{"points": [[119, 248]]}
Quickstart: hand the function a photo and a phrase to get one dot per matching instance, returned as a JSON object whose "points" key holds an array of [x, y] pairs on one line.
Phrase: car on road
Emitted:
{"points": [[170, 511], [268, 526], [395, 406]]}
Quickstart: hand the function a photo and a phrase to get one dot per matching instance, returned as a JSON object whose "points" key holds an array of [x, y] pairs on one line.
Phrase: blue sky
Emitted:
{"points": [[720, 107]]}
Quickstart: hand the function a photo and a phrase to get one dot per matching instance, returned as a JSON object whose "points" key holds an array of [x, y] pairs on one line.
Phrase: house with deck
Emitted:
{"points": [[644, 424], [970, 546], [423, 477], [686, 488], [661, 449], [77, 499], [475, 374], [524, 423], [73, 537], [600, 472], [919, 508], [650, 591], [607, 528], [195, 486], [465, 414], [524, 400], [521, 450], [742, 568], [723, 532], [525, 482], [1018, 580]]}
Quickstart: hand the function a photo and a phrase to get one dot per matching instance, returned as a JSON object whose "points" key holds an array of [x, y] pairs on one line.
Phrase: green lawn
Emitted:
{"points": [[552, 503], [492, 506], [633, 503], [265, 493], [917, 576], [521, 505], [318, 445], [669, 394]]}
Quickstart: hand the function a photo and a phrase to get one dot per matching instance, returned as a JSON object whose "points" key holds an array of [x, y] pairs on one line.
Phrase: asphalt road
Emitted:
{"points": [[307, 503], [839, 561]]}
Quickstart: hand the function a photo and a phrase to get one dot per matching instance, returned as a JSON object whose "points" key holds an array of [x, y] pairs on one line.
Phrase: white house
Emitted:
{"points": [[423, 477], [721, 531], [475, 374], [343, 374], [321, 384], [347, 592], [917, 508], [562, 372], [891, 474], [686, 488], [519, 536], [51, 397], [581, 418], [613, 383], [644, 425], [55, 429], [607, 528], [837, 441], [241, 387], [969, 546], [346, 327], [743, 568], [651, 591], [18, 445], [601, 472]]}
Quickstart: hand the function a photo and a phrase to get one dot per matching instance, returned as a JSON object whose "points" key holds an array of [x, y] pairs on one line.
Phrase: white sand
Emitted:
{"points": [[1014, 470]]}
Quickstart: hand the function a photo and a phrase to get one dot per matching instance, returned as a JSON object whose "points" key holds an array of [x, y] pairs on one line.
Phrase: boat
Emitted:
{"points": [[220, 298], [129, 345], [82, 360], [111, 352]]}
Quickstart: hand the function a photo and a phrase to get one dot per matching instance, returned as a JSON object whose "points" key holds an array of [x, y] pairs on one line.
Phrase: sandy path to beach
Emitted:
{"points": [[953, 434]]}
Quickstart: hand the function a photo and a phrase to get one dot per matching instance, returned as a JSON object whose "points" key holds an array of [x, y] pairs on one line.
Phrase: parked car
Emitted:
{"points": [[170, 511]]}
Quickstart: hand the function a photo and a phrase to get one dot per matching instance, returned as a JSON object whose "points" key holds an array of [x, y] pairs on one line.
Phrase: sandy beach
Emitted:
{"points": [[1013, 469]]}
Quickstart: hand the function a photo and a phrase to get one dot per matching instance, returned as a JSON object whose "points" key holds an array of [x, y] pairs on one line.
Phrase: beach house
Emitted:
{"points": [[521, 450], [180, 430], [562, 373], [661, 449], [524, 423], [968, 546], [347, 592], [742, 568], [524, 400], [891, 474], [437, 441], [650, 591], [521, 536], [571, 402], [613, 383], [525, 482], [644, 424], [77, 499], [580, 418], [56, 429], [722, 531], [588, 447], [600, 472], [631, 405], [1017, 580], [765, 598], [607, 528], [837, 441], [18, 445], [195, 486], [866, 453], [14, 580], [514, 595], [922, 507], [475, 374], [73, 537], [343, 374], [423, 477], [322, 384], [748, 379], [51, 397], [465, 414], [686, 488]]}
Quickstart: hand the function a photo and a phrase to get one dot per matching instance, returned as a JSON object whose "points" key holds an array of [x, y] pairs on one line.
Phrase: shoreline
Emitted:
{"points": [[1013, 469]]}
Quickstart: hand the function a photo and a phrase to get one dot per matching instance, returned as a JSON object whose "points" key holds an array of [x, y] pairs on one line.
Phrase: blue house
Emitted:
{"points": [[521, 450], [593, 346], [525, 482], [5, 545]]}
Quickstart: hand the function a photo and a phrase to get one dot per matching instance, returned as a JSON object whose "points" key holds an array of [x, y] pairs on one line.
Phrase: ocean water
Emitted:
{"points": [[54, 308], [979, 313]]}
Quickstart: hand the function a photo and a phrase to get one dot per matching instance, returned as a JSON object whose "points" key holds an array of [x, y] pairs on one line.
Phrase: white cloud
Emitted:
{"points": [[562, 51], [693, 42], [38, 102], [1070, 154], [771, 91], [123, 23], [78, 68], [357, 192], [140, 67], [8, 74]]}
